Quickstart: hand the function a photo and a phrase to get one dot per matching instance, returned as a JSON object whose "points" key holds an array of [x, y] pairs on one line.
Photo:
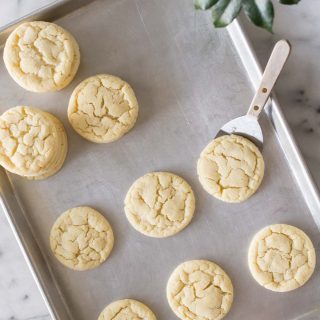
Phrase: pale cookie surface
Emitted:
{"points": [[41, 56], [231, 168], [33, 143], [126, 309], [281, 257], [199, 290], [159, 204], [81, 238], [103, 108]]}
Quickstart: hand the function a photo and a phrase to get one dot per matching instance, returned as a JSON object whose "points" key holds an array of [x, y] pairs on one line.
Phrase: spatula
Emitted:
{"points": [[248, 125]]}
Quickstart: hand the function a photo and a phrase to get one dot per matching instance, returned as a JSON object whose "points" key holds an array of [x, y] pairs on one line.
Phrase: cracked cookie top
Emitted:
{"points": [[199, 290], [281, 257], [159, 204], [81, 238], [126, 309], [41, 56], [231, 168], [103, 108], [30, 141]]}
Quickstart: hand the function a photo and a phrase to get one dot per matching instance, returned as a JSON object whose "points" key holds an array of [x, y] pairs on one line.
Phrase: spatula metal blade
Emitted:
{"points": [[246, 126]]}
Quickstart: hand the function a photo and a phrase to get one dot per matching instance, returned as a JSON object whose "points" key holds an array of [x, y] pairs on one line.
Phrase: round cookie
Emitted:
{"points": [[159, 204], [126, 309], [103, 108], [41, 56], [33, 142], [231, 168], [199, 290], [81, 238], [281, 257]]}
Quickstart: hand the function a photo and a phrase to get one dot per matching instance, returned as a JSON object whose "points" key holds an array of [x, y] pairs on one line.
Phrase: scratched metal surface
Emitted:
{"points": [[188, 80]]}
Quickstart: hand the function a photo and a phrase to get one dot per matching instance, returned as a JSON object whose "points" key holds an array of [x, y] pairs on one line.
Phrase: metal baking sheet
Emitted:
{"points": [[189, 79]]}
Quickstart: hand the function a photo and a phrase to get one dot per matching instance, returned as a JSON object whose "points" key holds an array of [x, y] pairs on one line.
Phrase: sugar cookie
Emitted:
{"points": [[281, 257], [199, 290], [41, 56], [102, 108], [231, 168], [126, 309], [81, 238], [159, 204], [33, 142]]}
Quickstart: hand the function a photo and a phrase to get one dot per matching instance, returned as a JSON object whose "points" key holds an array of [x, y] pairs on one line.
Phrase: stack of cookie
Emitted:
{"points": [[33, 142]]}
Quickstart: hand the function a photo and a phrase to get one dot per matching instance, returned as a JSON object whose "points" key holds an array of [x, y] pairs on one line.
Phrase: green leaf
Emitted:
{"points": [[204, 4], [289, 1], [260, 12], [224, 11]]}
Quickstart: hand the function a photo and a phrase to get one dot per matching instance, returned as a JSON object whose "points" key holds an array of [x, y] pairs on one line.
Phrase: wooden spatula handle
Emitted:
{"points": [[271, 73]]}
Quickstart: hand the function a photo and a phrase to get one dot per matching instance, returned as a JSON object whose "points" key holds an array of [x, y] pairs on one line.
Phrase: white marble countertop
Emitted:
{"points": [[297, 91]]}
